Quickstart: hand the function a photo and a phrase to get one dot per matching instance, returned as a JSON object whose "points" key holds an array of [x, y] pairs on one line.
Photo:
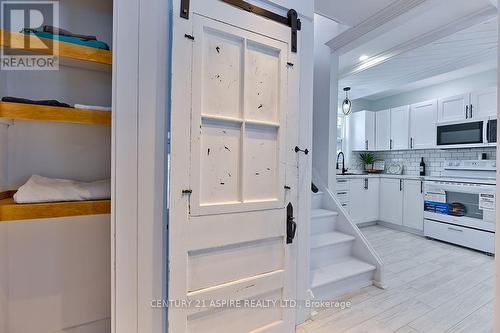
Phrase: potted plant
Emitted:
{"points": [[367, 159]]}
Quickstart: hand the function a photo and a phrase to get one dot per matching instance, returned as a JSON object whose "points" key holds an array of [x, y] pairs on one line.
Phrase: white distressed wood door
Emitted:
{"points": [[228, 237]]}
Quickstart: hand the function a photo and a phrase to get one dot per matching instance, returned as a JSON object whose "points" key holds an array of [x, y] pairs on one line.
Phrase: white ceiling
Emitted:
{"points": [[462, 52], [455, 41], [349, 12]]}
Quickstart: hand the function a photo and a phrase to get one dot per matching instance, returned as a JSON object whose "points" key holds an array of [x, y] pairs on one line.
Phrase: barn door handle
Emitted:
{"points": [[291, 226], [305, 151]]}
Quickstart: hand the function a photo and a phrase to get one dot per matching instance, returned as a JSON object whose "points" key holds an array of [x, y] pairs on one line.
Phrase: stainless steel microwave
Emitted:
{"points": [[467, 133]]}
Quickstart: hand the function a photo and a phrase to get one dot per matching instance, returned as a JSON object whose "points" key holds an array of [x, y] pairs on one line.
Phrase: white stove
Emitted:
{"points": [[459, 207]]}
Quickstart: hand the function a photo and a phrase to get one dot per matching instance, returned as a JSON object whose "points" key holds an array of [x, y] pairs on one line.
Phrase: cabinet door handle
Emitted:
{"points": [[411, 143], [455, 229], [390, 144], [366, 144], [340, 193], [466, 112], [470, 111], [400, 185], [421, 186]]}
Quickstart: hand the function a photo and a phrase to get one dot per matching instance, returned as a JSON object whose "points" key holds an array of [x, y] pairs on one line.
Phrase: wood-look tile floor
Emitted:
{"points": [[432, 287]]}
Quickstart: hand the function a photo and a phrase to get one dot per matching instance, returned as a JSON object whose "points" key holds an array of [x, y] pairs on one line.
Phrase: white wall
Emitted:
{"points": [[324, 126], [55, 274], [450, 88]]}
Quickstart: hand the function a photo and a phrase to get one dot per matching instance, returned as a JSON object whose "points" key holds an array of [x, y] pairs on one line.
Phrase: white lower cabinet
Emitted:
{"points": [[363, 199], [413, 204], [402, 202], [391, 200]]}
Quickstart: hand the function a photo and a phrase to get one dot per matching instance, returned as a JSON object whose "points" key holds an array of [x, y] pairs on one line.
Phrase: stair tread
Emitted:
{"points": [[330, 238], [318, 212], [339, 271]]}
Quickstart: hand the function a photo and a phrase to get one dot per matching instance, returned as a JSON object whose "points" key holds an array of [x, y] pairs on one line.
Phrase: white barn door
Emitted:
{"points": [[233, 173]]}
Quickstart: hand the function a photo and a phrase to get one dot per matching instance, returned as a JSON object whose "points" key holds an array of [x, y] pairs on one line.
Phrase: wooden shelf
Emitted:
{"points": [[22, 111], [68, 51], [11, 211]]}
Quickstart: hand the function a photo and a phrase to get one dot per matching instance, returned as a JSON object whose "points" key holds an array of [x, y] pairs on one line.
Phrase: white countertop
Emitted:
{"points": [[379, 175]]}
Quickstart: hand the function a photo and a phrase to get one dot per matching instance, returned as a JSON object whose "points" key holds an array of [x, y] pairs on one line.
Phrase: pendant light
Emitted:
{"points": [[347, 104]]}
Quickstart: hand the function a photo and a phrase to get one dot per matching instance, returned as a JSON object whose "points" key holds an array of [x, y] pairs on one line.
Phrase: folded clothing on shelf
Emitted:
{"points": [[42, 189], [68, 39], [93, 107], [58, 31], [49, 102]]}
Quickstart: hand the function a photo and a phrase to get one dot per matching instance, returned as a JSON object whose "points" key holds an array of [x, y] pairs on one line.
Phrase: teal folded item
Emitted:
{"points": [[74, 40]]}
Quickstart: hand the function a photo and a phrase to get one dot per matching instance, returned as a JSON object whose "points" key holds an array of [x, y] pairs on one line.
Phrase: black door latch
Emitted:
{"points": [[291, 226], [305, 151]]}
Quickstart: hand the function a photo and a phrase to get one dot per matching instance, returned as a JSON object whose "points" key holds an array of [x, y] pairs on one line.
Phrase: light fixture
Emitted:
{"points": [[347, 104], [363, 57]]}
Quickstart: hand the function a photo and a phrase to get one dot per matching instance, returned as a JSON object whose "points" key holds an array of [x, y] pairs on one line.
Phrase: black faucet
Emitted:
{"points": [[344, 169]]}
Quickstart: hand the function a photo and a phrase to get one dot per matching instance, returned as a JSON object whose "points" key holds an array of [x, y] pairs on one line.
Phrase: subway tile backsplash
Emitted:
{"points": [[434, 158]]}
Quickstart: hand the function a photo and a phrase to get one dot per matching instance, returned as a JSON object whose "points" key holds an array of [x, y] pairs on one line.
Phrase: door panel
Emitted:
{"points": [[383, 129], [391, 201], [484, 103], [453, 108], [413, 204], [241, 164], [400, 130], [230, 232], [423, 118]]}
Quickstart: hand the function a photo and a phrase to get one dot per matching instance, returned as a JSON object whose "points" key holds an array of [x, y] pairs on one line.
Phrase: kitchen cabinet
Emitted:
{"points": [[363, 199], [480, 104], [400, 127], [391, 200], [454, 108], [484, 103], [423, 117], [383, 130], [413, 204], [362, 130]]}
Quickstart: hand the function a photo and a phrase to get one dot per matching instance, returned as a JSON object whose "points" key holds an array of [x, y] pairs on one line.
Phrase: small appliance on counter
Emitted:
{"points": [[394, 169], [459, 207]]}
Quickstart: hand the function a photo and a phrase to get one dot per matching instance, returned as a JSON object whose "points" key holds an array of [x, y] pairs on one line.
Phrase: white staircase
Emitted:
{"points": [[335, 270]]}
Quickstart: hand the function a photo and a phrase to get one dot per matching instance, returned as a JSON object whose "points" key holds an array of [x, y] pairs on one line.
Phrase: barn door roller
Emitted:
{"points": [[290, 20]]}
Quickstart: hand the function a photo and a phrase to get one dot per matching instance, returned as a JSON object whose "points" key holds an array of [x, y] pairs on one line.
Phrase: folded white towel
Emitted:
{"points": [[92, 107], [42, 189]]}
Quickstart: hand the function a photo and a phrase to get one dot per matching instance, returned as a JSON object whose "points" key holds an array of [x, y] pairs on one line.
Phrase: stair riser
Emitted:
{"points": [[329, 255], [324, 224], [316, 201], [333, 290]]}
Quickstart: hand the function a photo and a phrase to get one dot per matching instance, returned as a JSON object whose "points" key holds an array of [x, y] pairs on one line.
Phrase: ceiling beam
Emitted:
{"points": [[385, 15], [427, 38]]}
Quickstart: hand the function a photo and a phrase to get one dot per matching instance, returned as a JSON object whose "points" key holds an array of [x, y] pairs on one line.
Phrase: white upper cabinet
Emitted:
{"points": [[423, 117], [484, 103], [400, 127], [383, 130], [362, 130], [454, 108], [413, 204]]}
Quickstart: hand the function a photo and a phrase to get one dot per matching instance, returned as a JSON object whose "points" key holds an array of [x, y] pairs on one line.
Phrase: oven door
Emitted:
{"points": [[470, 133], [462, 204]]}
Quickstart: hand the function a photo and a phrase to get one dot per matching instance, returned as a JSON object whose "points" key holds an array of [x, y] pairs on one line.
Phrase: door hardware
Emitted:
{"points": [[466, 112], [185, 9], [189, 36], [400, 185], [291, 226], [187, 191], [305, 151]]}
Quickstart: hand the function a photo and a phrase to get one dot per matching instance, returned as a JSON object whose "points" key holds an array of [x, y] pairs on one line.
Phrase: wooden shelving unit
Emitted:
{"points": [[68, 51], [22, 111], [11, 211]]}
